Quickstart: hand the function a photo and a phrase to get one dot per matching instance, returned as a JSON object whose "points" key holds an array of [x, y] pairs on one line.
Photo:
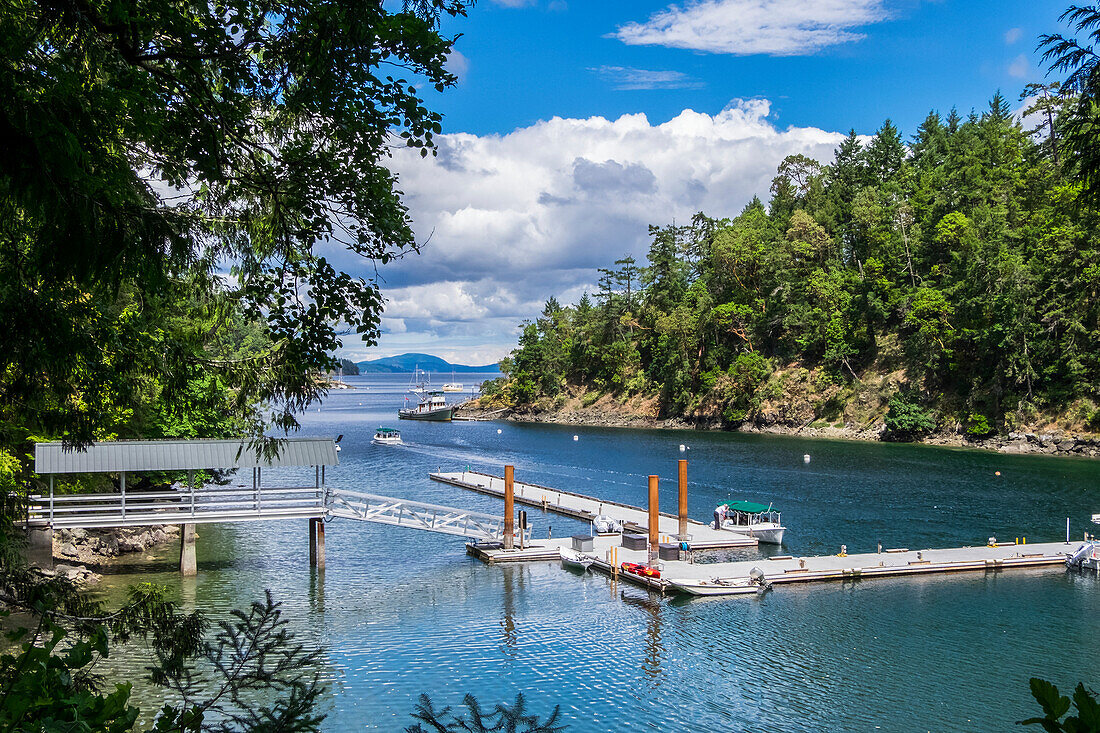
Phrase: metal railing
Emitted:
{"points": [[417, 515], [188, 506], [243, 504]]}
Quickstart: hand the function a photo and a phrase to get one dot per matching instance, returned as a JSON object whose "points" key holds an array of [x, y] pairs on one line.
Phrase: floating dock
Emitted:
{"points": [[735, 578], [741, 577], [635, 520]]}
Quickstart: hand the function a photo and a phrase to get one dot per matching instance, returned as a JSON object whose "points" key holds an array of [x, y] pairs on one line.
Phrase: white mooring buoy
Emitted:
{"points": [[498, 431], [806, 458], [575, 438], [683, 447]]}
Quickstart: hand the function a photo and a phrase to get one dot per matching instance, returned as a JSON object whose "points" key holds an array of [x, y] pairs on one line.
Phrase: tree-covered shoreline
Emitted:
{"points": [[947, 284]]}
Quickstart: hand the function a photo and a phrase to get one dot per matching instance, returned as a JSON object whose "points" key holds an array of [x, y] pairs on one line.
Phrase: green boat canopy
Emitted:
{"points": [[749, 507], [387, 430]]}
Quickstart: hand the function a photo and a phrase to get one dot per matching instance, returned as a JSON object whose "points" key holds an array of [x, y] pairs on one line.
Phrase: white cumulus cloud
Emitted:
{"points": [[747, 27], [515, 219]]}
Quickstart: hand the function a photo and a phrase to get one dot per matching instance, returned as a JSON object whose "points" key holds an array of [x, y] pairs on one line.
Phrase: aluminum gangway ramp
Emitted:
{"points": [[415, 515]]}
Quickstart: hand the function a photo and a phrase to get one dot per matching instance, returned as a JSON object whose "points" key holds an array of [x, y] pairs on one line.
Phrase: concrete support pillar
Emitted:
{"points": [[317, 543], [682, 512], [39, 551], [509, 506], [654, 516], [188, 565]]}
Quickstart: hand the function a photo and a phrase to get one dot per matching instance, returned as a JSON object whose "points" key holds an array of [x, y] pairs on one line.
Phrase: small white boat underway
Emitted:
{"points": [[386, 436], [756, 520]]}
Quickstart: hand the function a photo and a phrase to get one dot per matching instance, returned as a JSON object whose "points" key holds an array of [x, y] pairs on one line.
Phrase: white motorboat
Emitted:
{"points": [[716, 586], [756, 520], [1085, 557], [604, 524], [576, 560], [756, 582], [452, 386], [386, 436]]}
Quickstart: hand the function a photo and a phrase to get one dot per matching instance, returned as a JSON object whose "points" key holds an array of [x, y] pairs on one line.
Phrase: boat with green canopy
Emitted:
{"points": [[761, 521], [387, 436]]}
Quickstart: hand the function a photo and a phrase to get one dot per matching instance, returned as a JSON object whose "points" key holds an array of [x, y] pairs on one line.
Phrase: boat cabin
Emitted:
{"points": [[749, 513]]}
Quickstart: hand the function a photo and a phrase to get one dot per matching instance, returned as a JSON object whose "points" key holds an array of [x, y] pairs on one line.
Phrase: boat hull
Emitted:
{"points": [[441, 414], [770, 534], [574, 564], [711, 588], [385, 441]]}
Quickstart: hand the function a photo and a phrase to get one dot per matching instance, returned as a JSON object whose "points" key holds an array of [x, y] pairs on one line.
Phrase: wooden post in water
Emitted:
{"points": [[653, 517], [188, 565], [509, 506], [317, 543], [682, 513]]}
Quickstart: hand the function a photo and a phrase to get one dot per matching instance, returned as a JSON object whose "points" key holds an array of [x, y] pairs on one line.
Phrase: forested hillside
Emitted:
{"points": [[947, 281]]}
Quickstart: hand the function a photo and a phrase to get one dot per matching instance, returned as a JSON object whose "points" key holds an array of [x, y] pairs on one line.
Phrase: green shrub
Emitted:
{"points": [[977, 426], [906, 419], [590, 398], [1094, 421]]}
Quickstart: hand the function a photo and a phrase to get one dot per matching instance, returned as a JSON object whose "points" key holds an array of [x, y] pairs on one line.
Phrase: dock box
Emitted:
{"points": [[583, 543], [635, 541], [668, 551]]}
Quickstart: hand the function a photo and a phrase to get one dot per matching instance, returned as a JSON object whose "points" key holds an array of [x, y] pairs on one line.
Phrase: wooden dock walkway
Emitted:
{"points": [[676, 575], [578, 506]]}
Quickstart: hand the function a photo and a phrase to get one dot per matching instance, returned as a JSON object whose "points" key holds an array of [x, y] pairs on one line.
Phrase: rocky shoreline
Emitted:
{"points": [[75, 550], [1049, 443]]}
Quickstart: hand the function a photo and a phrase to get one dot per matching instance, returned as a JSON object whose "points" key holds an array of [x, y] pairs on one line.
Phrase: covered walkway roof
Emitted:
{"points": [[180, 455]]}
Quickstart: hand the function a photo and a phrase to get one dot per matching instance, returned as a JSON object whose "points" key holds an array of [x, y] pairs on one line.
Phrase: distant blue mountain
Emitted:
{"points": [[426, 362]]}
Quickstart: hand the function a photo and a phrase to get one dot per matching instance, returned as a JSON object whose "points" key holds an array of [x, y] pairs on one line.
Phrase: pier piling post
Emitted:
{"points": [[653, 517], [317, 543], [509, 506], [682, 513], [39, 550], [188, 565]]}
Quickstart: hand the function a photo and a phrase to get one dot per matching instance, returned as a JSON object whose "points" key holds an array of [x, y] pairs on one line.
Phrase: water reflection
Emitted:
{"points": [[509, 575], [651, 604]]}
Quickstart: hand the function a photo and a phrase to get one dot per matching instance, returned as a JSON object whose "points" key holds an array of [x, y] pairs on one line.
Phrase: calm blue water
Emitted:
{"points": [[401, 612]]}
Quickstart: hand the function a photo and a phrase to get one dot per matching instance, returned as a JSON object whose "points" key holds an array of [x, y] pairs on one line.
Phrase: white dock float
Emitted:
{"points": [[733, 578], [570, 504]]}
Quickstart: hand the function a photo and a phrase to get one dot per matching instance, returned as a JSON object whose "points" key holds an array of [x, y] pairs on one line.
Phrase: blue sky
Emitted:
{"points": [[575, 125]]}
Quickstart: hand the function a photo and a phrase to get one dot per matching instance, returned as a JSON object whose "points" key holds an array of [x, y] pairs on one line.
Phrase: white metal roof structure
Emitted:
{"points": [[180, 455]]}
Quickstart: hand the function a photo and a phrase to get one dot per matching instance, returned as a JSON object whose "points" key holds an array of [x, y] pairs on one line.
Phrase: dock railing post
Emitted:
{"points": [[509, 506], [653, 518], [188, 566], [682, 513], [317, 543], [122, 487]]}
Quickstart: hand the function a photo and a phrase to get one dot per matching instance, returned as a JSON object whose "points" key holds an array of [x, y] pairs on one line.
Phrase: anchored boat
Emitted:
{"points": [[432, 406], [452, 386], [756, 520]]}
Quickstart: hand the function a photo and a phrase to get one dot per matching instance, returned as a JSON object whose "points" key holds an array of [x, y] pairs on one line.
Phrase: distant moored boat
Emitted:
{"points": [[432, 406]]}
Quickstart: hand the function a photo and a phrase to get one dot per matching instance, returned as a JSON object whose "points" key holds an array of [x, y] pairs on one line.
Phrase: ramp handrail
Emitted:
{"points": [[416, 515]]}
